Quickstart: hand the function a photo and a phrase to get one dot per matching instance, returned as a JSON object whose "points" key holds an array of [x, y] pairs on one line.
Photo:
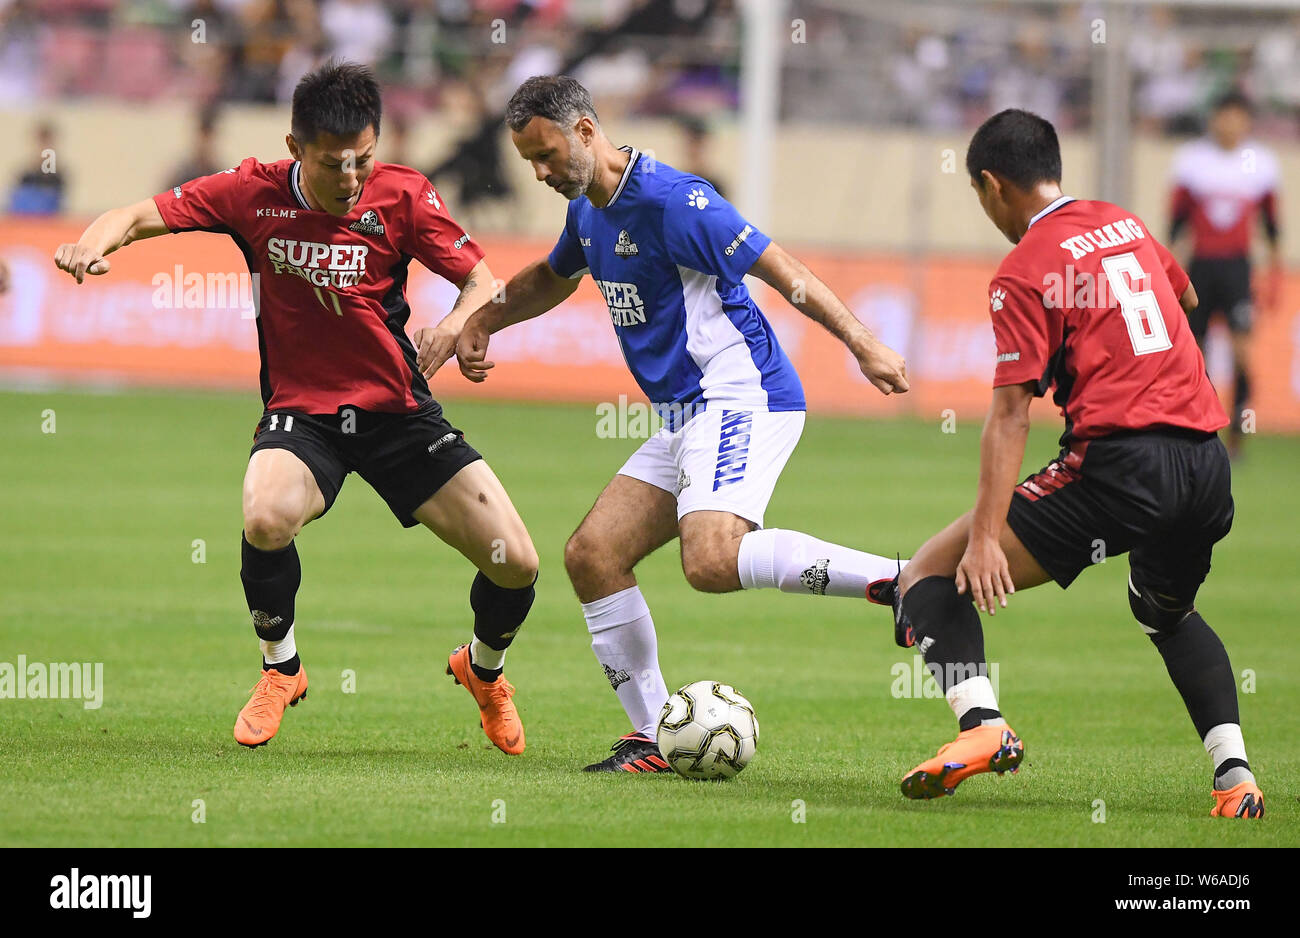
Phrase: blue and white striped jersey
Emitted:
{"points": [[670, 255]]}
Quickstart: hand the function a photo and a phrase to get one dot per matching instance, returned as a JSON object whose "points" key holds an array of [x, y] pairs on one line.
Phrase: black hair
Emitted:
{"points": [[557, 98], [339, 98], [1232, 98], [1018, 146]]}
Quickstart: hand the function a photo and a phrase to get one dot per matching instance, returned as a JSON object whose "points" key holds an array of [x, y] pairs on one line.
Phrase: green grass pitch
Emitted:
{"points": [[99, 520]]}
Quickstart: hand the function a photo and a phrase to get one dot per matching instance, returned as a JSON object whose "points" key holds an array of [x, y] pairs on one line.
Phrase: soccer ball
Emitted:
{"points": [[707, 731]]}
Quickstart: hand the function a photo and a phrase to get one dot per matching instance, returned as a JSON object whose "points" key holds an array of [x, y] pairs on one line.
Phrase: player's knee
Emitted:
{"points": [[709, 571], [1155, 612], [583, 557], [514, 566], [270, 527]]}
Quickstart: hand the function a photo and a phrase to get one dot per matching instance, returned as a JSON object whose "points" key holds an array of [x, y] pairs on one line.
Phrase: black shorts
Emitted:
{"points": [[1222, 285], [405, 457], [1162, 496]]}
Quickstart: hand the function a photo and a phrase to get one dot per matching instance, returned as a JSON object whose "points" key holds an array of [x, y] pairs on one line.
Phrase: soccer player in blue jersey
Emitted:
{"points": [[670, 256]]}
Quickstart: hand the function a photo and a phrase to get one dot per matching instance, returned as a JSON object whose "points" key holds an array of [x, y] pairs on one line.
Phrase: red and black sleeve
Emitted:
{"points": [[205, 203], [434, 238]]}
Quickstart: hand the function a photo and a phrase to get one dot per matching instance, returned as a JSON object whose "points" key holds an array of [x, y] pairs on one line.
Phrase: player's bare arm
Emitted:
{"points": [[1189, 300], [436, 344], [531, 292], [114, 229], [983, 569], [786, 274]]}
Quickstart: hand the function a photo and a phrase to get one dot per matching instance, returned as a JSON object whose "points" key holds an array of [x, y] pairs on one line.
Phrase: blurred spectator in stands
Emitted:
{"points": [[1027, 78], [393, 146], [919, 70], [4, 277], [1277, 78], [695, 151], [205, 36], [476, 164], [358, 30], [1169, 74], [266, 31], [620, 78], [20, 61], [202, 159], [39, 190], [307, 49]]}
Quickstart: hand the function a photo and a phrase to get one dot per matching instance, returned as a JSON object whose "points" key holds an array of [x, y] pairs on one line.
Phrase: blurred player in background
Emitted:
{"points": [[1222, 184], [670, 257], [1141, 468], [330, 234]]}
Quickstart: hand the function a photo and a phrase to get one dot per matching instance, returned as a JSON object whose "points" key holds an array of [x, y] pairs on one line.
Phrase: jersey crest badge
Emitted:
{"points": [[626, 247], [368, 224]]}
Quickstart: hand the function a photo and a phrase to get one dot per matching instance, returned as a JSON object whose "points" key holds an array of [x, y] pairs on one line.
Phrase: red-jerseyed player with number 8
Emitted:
{"points": [[329, 235], [1090, 303]]}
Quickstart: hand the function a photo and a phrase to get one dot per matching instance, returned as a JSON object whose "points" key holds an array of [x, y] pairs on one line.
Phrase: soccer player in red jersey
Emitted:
{"points": [[329, 235], [1090, 303], [1223, 183]]}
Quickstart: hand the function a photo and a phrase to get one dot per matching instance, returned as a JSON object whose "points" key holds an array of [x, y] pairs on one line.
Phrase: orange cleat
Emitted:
{"points": [[260, 718], [497, 713], [982, 749], [1243, 800]]}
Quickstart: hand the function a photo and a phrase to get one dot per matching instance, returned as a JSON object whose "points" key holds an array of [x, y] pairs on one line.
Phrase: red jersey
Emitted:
{"points": [[1088, 302], [332, 311], [1221, 193]]}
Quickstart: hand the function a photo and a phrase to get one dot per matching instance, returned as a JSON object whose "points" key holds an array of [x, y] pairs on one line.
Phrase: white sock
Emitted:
{"points": [[971, 693], [277, 652], [623, 638], [798, 563], [485, 656], [1224, 742]]}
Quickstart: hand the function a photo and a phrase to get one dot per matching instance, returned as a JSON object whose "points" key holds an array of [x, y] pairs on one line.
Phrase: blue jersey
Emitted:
{"points": [[670, 256]]}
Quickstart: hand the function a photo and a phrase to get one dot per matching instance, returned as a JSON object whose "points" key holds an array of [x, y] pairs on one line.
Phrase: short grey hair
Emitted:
{"points": [[557, 98]]}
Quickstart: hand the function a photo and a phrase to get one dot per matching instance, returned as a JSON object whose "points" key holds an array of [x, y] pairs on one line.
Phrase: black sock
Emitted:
{"points": [[949, 636], [1198, 665], [498, 615], [271, 579], [1240, 399], [1227, 774], [289, 667], [976, 716]]}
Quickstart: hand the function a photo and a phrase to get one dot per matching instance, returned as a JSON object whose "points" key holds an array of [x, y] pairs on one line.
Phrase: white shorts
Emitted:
{"points": [[723, 459]]}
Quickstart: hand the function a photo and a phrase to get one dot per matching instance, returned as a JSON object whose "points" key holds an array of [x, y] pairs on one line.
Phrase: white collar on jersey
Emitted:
{"points": [[295, 184], [633, 154], [1051, 208]]}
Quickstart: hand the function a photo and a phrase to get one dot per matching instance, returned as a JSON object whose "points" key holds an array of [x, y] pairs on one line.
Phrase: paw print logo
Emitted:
{"points": [[698, 199], [996, 299]]}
